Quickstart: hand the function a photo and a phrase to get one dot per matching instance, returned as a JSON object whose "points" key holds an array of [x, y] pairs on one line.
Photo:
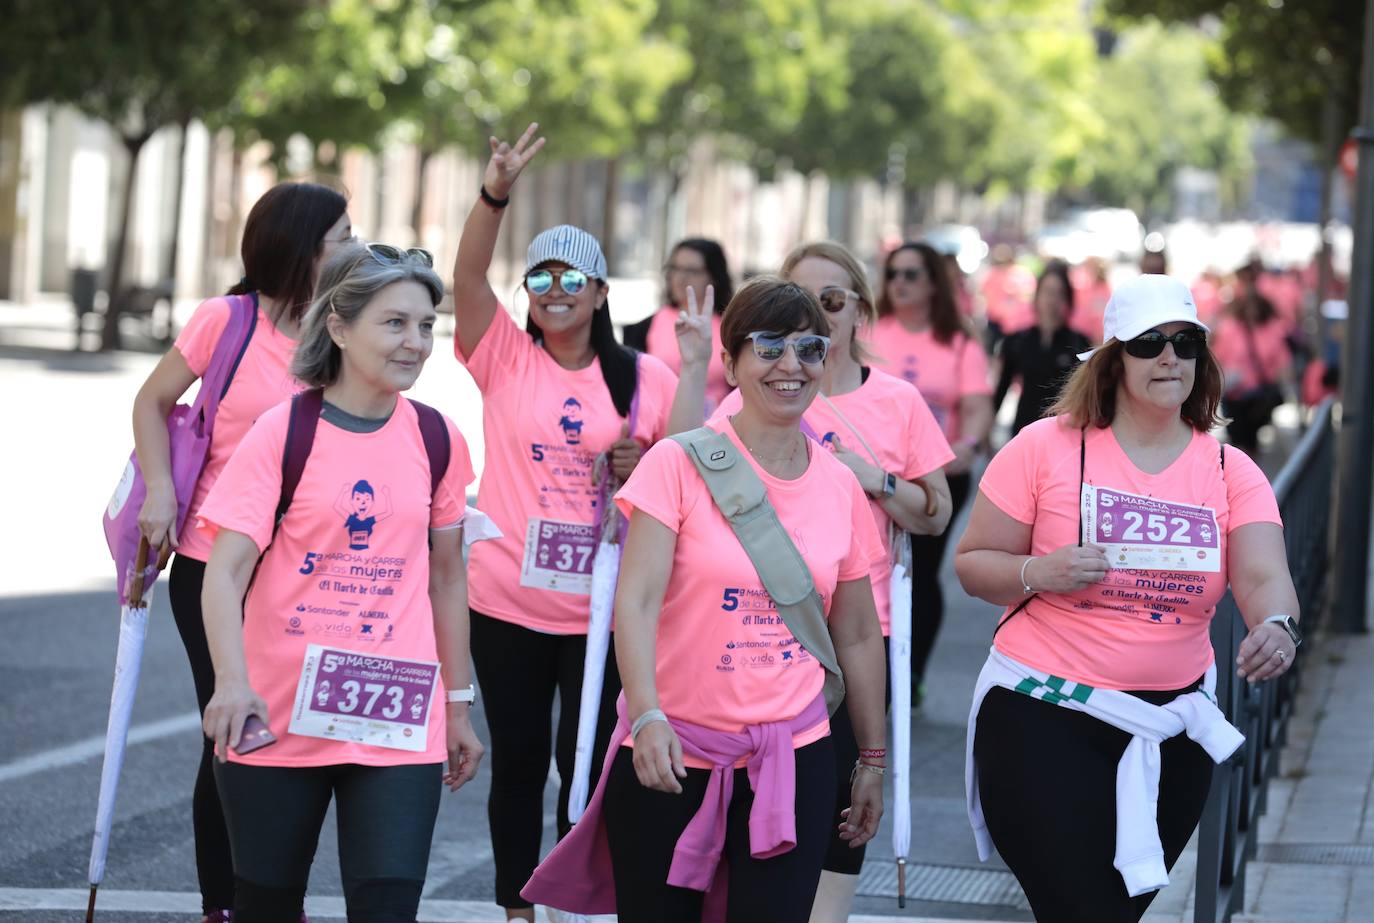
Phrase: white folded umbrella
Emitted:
{"points": [[899, 659]]}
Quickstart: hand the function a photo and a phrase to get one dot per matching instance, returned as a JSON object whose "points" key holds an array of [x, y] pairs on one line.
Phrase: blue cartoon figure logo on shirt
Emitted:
{"points": [[357, 503], [571, 421], [828, 440]]}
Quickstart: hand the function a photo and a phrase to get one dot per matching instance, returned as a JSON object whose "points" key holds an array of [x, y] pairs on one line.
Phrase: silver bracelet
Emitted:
{"points": [[866, 767], [649, 717], [1026, 587]]}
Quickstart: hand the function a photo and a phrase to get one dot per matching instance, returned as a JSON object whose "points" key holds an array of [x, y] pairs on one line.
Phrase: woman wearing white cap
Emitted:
{"points": [[1090, 781], [566, 414]]}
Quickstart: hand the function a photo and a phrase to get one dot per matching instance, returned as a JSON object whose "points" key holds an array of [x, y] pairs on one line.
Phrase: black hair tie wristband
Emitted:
{"points": [[492, 201]]}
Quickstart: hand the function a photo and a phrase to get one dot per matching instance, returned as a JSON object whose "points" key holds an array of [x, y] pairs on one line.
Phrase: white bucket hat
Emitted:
{"points": [[1143, 304]]}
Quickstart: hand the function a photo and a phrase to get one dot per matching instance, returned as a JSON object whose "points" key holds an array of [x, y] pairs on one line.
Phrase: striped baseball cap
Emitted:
{"points": [[567, 244]]}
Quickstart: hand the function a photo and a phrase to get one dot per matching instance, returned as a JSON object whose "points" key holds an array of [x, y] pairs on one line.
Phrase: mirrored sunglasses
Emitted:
{"points": [[540, 282], [810, 348], [835, 299], [1188, 344]]}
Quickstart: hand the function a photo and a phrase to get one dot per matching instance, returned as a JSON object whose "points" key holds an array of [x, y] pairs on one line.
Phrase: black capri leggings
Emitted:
{"points": [[1047, 778], [213, 865], [840, 856], [927, 599], [643, 825], [519, 671], [386, 821]]}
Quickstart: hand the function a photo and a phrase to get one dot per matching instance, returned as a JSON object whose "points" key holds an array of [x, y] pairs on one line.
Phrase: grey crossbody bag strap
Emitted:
{"points": [[743, 501]]}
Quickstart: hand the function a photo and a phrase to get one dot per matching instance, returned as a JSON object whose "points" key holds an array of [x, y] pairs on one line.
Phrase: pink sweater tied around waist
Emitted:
{"points": [[577, 877]]}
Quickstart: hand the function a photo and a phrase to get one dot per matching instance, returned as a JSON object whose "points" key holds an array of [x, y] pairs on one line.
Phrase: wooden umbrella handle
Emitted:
{"points": [[140, 566]]}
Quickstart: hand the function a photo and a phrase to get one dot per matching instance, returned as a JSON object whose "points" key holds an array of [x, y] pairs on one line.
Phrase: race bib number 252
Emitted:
{"points": [[1151, 534]]}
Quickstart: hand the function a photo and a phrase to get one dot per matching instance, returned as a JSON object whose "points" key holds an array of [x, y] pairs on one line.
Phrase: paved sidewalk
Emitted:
{"points": [[1316, 841]]}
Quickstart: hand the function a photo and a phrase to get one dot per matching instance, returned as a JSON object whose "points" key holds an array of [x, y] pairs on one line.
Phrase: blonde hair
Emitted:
{"points": [[858, 281], [1088, 395]]}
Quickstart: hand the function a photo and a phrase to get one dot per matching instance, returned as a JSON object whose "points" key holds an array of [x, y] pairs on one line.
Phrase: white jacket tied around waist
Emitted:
{"points": [[1139, 853]]}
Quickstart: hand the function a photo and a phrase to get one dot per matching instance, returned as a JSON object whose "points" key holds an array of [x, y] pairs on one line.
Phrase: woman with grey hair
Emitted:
{"points": [[338, 523]]}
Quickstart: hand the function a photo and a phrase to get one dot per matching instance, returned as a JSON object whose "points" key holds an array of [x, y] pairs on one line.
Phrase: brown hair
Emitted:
{"points": [[945, 320], [858, 281], [769, 303], [1088, 395]]}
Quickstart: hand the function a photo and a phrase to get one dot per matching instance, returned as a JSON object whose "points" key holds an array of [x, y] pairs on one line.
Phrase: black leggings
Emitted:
{"points": [[1047, 779], [643, 826], [927, 599], [386, 821], [213, 864], [840, 856], [519, 671]]}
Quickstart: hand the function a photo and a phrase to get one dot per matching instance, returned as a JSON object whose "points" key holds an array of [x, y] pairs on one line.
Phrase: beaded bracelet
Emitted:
{"points": [[866, 767]]}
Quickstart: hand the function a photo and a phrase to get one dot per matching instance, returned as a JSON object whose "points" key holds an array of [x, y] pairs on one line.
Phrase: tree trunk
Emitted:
{"points": [[608, 204], [180, 188], [109, 336], [417, 206]]}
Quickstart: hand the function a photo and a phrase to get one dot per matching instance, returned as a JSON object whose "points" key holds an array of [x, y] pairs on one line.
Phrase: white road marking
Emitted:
{"points": [[91, 747], [431, 911]]}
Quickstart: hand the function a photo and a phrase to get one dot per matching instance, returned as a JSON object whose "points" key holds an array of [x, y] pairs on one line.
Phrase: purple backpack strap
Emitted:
{"points": [[434, 434], [224, 362], [809, 431], [633, 418], [300, 439]]}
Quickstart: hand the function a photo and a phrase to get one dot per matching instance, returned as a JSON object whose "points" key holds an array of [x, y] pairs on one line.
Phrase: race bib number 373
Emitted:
{"points": [[1151, 534], [362, 698]]}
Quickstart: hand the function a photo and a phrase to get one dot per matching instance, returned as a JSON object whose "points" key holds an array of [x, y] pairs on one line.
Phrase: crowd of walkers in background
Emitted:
{"points": [[827, 416]]}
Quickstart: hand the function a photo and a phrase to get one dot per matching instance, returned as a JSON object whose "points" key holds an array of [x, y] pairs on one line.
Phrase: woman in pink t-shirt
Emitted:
{"points": [[1110, 532], [566, 412], [351, 640], [1251, 345], [693, 264], [700, 642], [290, 231], [922, 338]]}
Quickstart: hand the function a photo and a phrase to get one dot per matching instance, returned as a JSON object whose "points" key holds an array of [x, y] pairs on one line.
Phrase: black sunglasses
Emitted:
{"points": [[910, 274], [1188, 344], [385, 253]]}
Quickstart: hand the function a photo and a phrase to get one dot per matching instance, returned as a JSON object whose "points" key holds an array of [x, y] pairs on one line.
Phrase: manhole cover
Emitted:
{"points": [[1317, 854], [945, 883]]}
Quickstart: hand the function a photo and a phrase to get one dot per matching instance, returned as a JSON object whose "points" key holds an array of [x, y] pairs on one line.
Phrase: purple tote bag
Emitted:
{"points": [[189, 429]]}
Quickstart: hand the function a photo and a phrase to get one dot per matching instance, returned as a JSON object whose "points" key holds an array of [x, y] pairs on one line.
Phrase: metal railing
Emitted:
{"points": [[1228, 832]]}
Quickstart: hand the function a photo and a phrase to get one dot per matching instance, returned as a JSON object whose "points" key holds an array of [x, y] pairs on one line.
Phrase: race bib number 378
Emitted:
{"points": [[1151, 534], [362, 698]]}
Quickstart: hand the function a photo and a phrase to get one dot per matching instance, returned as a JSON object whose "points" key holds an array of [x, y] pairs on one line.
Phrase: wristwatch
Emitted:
{"points": [[462, 695], [1290, 625], [889, 485]]}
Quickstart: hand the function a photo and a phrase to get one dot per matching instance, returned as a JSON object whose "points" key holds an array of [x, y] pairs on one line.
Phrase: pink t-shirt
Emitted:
{"points": [[262, 380], [1139, 628], [1090, 305], [349, 568], [944, 372], [903, 434], [545, 426], [1231, 347], [724, 657], [1008, 292], [662, 342]]}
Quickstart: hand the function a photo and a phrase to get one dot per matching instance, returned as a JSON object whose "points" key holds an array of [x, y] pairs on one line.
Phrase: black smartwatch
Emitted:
{"points": [[1290, 625]]}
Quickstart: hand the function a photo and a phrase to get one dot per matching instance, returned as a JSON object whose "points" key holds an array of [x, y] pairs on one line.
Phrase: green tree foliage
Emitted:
{"points": [[1158, 113], [138, 67], [1280, 58]]}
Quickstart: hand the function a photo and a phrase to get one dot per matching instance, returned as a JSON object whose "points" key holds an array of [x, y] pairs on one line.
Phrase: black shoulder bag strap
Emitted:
{"points": [[1082, 467]]}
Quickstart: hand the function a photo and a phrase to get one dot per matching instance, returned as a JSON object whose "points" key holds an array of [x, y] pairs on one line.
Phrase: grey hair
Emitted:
{"points": [[349, 280]]}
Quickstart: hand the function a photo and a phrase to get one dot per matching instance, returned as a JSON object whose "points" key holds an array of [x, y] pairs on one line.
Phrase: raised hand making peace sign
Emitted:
{"points": [[507, 162], [693, 327]]}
